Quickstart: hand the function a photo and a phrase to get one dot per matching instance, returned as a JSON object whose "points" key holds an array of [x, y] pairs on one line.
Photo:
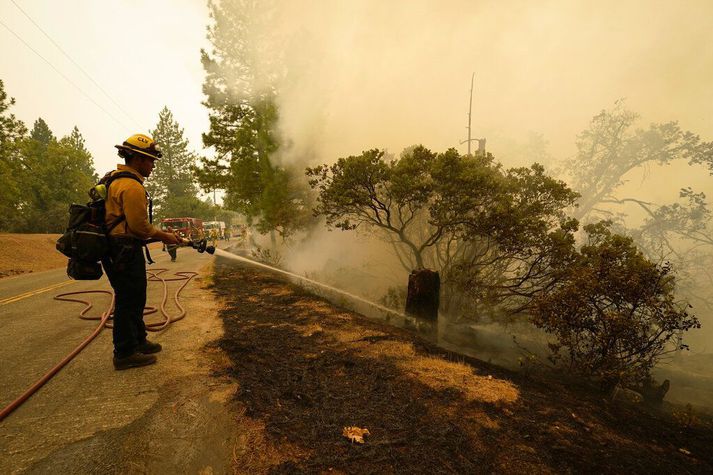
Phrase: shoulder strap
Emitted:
{"points": [[118, 221], [109, 178]]}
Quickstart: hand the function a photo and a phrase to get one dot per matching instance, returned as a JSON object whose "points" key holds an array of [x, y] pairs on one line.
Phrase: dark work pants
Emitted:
{"points": [[126, 270]]}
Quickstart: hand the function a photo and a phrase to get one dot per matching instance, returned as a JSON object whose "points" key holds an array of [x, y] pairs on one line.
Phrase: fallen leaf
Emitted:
{"points": [[355, 434]]}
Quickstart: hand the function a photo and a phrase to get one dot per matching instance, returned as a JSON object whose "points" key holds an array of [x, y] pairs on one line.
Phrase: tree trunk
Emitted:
{"points": [[423, 294]]}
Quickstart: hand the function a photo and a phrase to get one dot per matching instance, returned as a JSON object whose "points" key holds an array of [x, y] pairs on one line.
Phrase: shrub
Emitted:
{"points": [[266, 256], [614, 314]]}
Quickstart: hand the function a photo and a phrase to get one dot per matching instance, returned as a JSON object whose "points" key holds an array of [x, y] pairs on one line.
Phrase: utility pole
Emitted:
{"points": [[470, 109], [481, 142]]}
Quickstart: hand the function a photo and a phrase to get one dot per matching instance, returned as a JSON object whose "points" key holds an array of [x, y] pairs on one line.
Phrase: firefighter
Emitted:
{"points": [[196, 233], [172, 250], [127, 203]]}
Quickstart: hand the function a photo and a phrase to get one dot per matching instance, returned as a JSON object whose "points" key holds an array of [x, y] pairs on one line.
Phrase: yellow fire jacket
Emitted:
{"points": [[127, 197]]}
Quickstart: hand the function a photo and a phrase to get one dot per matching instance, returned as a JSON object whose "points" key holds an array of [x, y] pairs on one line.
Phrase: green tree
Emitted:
{"points": [[504, 240], [241, 98], [82, 162], [41, 132], [58, 173], [190, 206], [11, 128], [515, 244], [76, 142], [35, 158], [365, 190], [12, 131], [491, 233], [171, 183]]}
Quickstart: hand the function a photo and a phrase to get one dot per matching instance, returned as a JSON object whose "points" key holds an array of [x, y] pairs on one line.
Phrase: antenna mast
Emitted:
{"points": [[470, 109]]}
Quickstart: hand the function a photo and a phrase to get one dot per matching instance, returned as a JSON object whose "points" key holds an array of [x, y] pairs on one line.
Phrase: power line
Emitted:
{"points": [[64, 76], [76, 64]]}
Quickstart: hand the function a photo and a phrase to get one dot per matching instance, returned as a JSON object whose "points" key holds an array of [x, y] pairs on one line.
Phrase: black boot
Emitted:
{"points": [[133, 361], [148, 347]]}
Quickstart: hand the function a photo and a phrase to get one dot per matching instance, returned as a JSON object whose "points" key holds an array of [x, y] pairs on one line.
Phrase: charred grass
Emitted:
{"points": [[307, 369]]}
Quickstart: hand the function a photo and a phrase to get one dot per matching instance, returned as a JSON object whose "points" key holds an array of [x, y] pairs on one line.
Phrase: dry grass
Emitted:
{"points": [[23, 253], [439, 374], [433, 371], [255, 452]]}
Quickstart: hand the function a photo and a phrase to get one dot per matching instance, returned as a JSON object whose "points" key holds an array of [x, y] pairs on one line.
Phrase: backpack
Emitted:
{"points": [[86, 240]]}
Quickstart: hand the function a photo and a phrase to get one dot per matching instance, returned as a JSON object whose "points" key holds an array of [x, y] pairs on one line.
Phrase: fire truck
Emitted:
{"points": [[190, 228]]}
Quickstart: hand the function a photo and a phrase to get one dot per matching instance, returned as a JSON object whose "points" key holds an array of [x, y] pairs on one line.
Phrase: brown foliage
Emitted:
{"points": [[614, 313]]}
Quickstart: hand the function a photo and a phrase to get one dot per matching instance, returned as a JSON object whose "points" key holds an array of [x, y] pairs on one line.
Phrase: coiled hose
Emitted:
{"points": [[154, 275]]}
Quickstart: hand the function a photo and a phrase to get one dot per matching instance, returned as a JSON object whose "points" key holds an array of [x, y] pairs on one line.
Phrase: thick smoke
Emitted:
{"points": [[359, 75], [391, 74]]}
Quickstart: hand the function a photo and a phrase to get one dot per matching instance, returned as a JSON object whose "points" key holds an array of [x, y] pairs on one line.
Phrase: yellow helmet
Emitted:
{"points": [[143, 144]]}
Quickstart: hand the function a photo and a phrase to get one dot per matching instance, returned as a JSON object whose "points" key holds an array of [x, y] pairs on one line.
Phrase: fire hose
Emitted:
{"points": [[154, 275]]}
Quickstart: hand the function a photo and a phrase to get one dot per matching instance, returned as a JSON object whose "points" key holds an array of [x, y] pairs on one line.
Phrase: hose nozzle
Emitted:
{"points": [[200, 245]]}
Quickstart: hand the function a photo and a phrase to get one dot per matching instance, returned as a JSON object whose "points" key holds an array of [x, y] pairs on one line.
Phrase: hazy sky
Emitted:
{"points": [[145, 54], [374, 73], [395, 73]]}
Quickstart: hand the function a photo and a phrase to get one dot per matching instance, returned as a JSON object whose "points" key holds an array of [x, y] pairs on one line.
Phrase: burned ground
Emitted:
{"points": [[307, 369]]}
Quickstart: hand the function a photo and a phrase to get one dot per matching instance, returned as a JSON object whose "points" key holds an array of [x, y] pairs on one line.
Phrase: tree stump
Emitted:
{"points": [[423, 294], [654, 393]]}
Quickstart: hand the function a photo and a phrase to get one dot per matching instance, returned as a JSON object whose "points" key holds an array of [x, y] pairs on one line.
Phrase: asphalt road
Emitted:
{"points": [[170, 417]]}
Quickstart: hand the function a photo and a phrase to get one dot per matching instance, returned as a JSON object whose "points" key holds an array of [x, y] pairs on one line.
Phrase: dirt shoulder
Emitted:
{"points": [[307, 369], [23, 253]]}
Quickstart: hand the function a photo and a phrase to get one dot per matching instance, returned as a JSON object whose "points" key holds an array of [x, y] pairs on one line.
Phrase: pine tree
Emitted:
{"points": [[40, 176], [11, 128], [59, 173], [76, 141], [171, 184], [41, 132], [12, 131], [172, 175], [78, 160], [241, 98]]}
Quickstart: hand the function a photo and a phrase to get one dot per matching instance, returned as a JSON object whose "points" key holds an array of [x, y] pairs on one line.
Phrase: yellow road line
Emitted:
{"points": [[15, 298]]}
